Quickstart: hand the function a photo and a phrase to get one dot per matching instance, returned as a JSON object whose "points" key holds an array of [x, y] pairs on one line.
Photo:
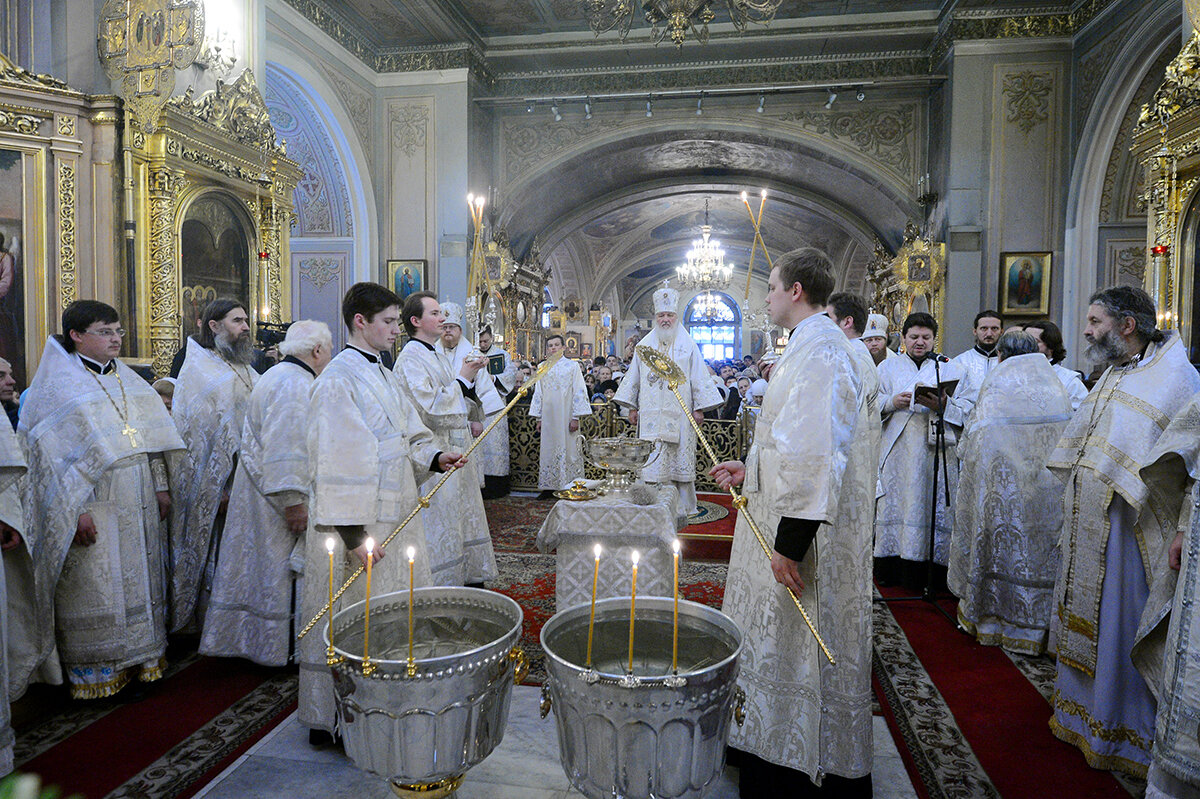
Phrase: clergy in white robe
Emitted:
{"points": [[1050, 344], [12, 523], [369, 449], [559, 401], [809, 479], [1166, 649], [97, 439], [1101, 704], [209, 408], [456, 526], [654, 408], [974, 366], [1008, 510], [251, 614], [906, 453]]}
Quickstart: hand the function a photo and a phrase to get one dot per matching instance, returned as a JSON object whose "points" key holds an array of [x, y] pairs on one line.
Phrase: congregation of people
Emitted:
{"points": [[1060, 511]]}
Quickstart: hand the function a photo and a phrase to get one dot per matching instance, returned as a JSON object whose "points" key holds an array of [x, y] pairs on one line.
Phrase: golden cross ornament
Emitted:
{"points": [[131, 432]]}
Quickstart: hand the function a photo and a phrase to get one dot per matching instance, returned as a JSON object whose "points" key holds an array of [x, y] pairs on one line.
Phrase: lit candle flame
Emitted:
{"points": [[329, 544], [675, 546], [369, 544], [635, 557], [412, 553], [744, 196], [597, 551], [470, 198]]}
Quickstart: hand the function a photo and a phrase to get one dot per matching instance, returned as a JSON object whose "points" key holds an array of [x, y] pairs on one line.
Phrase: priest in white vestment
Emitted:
{"points": [[493, 453], [874, 337], [559, 401], [12, 522], [251, 611], [369, 449], [209, 408], [1101, 704], [456, 526], [974, 365], [1165, 652], [809, 479], [906, 454], [99, 444], [1050, 344], [849, 312], [1008, 511], [654, 408]]}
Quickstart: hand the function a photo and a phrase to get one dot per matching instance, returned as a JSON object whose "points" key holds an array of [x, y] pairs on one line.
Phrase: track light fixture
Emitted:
{"points": [[700, 104], [649, 110], [832, 99], [554, 110], [762, 100], [587, 108], [860, 96], [529, 107]]}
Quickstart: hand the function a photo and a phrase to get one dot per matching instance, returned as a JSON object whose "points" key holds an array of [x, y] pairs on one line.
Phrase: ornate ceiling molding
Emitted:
{"points": [[1013, 23]]}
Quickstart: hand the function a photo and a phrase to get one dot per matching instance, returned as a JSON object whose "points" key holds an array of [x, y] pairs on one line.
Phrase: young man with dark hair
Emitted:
{"points": [[456, 527], [849, 312], [559, 401], [98, 439], [366, 442], [209, 407], [810, 482], [974, 365], [1050, 343]]}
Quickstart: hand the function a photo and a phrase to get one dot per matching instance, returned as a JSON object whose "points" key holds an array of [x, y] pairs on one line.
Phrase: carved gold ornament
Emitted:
{"points": [[141, 43]]}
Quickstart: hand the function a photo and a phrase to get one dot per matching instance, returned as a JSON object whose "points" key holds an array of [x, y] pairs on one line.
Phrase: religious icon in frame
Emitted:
{"points": [[571, 342], [408, 277], [1025, 283]]}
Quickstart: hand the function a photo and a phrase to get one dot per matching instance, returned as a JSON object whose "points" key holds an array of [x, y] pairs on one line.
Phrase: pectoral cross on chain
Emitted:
{"points": [[132, 433]]}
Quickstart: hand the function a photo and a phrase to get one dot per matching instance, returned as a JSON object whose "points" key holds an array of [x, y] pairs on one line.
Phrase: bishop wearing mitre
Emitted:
{"points": [[98, 440], [655, 409], [456, 527]]}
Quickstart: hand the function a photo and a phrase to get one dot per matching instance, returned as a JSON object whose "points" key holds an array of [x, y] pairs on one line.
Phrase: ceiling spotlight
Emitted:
{"points": [[832, 99], [860, 96], [649, 110], [529, 107], [587, 108], [762, 100], [554, 110], [700, 105]]}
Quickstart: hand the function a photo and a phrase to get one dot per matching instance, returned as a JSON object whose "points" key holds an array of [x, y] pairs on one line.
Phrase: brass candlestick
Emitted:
{"points": [[674, 376], [331, 656], [592, 620], [757, 222], [632, 606], [368, 667], [412, 664]]}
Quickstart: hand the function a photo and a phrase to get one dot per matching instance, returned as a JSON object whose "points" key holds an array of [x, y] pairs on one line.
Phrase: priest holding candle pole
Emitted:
{"points": [[810, 477]]}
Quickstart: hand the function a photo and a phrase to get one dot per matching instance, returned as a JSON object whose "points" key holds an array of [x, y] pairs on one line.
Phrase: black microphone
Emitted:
{"points": [[937, 356]]}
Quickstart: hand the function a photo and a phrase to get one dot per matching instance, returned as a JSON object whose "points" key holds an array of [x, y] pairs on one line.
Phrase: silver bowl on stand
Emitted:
{"points": [[651, 733], [622, 458], [422, 728]]}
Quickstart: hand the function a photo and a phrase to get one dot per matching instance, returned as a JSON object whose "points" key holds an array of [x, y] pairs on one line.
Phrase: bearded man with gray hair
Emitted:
{"points": [[1101, 704], [209, 408], [252, 609]]}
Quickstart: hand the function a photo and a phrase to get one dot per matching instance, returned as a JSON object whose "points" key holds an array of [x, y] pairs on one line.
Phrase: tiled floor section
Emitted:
{"points": [[524, 766]]}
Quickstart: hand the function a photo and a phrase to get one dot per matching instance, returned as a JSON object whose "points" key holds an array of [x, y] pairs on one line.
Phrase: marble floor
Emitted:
{"points": [[524, 766]]}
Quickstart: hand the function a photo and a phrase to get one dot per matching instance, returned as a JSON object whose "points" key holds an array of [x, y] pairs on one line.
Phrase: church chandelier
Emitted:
{"points": [[705, 268], [674, 18]]}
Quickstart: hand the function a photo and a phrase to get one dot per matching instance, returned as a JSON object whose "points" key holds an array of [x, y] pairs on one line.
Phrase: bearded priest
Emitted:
{"points": [[654, 408]]}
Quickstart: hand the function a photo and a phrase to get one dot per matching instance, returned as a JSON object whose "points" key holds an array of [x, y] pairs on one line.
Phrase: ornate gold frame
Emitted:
{"points": [[917, 270], [221, 141], [519, 284]]}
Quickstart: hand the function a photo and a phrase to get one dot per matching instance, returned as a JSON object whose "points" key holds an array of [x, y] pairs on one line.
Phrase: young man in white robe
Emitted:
{"points": [[456, 526], [492, 453], [809, 480], [1050, 343], [849, 312], [209, 408], [1165, 651], [974, 365], [12, 522], [874, 336], [654, 408], [369, 448], [906, 456], [559, 401], [251, 613], [1101, 704], [98, 442], [1008, 510]]}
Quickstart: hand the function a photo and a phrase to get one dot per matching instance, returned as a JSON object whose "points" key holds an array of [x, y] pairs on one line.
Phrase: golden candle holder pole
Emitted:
{"points": [[412, 664], [332, 658], [674, 376], [592, 619], [367, 666], [632, 607], [757, 222], [423, 502], [675, 614]]}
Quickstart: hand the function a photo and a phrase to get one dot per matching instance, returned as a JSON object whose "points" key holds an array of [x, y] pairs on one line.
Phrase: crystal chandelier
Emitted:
{"points": [[675, 18], [705, 268]]}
